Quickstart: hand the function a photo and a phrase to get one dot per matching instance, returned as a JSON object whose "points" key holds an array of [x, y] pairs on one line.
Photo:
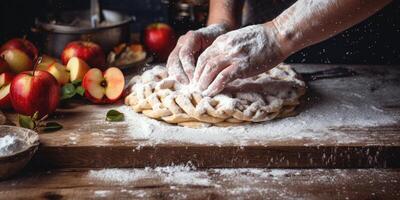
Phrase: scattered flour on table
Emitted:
{"points": [[249, 182], [10, 144], [174, 175], [181, 175], [341, 102], [102, 193]]}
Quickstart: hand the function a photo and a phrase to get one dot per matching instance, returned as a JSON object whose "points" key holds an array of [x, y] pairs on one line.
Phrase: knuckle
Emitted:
{"points": [[190, 33], [209, 66], [200, 60], [181, 39], [223, 37]]}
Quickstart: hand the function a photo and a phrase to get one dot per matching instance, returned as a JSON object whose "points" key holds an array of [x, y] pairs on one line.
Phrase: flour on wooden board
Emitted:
{"points": [[340, 102], [243, 181], [174, 175]]}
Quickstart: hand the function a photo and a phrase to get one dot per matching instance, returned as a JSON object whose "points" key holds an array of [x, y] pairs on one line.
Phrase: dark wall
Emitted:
{"points": [[374, 41]]}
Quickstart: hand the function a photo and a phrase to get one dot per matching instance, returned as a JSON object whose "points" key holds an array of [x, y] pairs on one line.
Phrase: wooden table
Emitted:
{"points": [[276, 184], [88, 141]]}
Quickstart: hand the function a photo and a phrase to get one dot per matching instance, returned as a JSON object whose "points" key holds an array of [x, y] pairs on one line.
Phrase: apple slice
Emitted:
{"points": [[5, 82], [59, 72], [77, 68], [104, 87], [93, 83], [56, 69], [115, 83]]}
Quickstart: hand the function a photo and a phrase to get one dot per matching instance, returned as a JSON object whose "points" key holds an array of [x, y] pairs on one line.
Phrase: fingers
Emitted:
{"points": [[223, 78], [187, 55], [175, 68], [201, 62], [212, 68]]}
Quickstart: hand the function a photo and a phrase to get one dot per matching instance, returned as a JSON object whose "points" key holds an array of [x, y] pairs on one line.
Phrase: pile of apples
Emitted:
{"points": [[29, 83]]}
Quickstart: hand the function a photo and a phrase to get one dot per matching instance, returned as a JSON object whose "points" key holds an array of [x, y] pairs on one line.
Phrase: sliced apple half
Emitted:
{"points": [[104, 87], [55, 68], [59, 72], [77, 68], [115, 83]]}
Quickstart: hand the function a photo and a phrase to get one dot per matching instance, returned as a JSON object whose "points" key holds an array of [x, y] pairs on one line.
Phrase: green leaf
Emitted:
{"points": [[67, 91], [80, 90], [26, 122], [76, 82], [52, 126], [114, 116]]}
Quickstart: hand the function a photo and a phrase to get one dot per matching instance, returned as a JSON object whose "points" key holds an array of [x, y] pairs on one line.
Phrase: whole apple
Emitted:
{"points": [[159, 39], [5, 82], [33, 91], [103, 87], [20, 54], [89, 52]]}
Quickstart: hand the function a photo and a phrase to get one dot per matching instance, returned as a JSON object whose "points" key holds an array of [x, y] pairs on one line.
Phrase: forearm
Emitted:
{"points": [[226, 12], [310, 21]]}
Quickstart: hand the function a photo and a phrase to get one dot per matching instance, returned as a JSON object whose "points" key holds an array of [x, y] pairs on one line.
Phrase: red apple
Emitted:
{"points": [[159, 39], [5, 82], [104, 87], [4, 65], [35, 91], [19, 54], [89, 52]]}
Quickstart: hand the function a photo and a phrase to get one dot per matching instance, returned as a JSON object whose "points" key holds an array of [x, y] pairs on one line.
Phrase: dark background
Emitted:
{"points": [[374, 41]]}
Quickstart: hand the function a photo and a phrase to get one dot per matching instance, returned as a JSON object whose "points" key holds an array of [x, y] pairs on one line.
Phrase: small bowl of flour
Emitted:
{"points": [[17, 146]]}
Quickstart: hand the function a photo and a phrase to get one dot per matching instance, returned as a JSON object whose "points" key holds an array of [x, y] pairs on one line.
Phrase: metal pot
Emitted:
{"points": [[75, 25]]}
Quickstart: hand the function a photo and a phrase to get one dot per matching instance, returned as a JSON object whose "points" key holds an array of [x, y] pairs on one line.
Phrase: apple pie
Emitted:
{"points": [[260, 98]]}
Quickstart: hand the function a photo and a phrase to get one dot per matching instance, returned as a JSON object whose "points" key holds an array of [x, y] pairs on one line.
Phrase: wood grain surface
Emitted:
{"points": [[87, 140], [271, 184]]}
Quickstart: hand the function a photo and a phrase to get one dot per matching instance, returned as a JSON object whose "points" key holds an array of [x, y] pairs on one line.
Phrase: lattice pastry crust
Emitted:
{"points": [[260, 98]]}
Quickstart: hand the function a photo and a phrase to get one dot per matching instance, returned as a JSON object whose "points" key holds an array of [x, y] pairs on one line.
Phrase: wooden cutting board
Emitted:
{"points": [[87, 140]]}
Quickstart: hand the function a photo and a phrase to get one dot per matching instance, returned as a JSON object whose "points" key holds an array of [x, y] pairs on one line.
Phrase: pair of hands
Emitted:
{"points": [[224, 56]]}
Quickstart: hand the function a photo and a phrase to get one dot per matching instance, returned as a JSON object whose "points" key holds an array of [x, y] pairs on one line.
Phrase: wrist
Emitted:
{"points": [[212, 31], [284, 40]]}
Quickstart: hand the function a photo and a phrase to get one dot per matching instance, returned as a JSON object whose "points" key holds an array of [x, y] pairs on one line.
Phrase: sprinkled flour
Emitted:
{"points": [[332, 103], [174, 175], [10, 144], [249, 183]]}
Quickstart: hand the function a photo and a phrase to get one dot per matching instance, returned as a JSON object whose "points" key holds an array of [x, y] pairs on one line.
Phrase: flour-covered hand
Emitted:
{"points": [[182, 60], [237, 54]]}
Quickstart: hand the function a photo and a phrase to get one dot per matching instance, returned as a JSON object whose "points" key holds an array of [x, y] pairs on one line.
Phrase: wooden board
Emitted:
{"points": [[87, 140], [245, 184]]}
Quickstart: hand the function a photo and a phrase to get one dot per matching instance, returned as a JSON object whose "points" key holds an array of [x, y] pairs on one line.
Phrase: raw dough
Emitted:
{"points": [[260, 98]]}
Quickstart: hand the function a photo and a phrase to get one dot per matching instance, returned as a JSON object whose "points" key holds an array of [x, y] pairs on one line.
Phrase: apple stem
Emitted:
{"points": [[37, 62]]}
